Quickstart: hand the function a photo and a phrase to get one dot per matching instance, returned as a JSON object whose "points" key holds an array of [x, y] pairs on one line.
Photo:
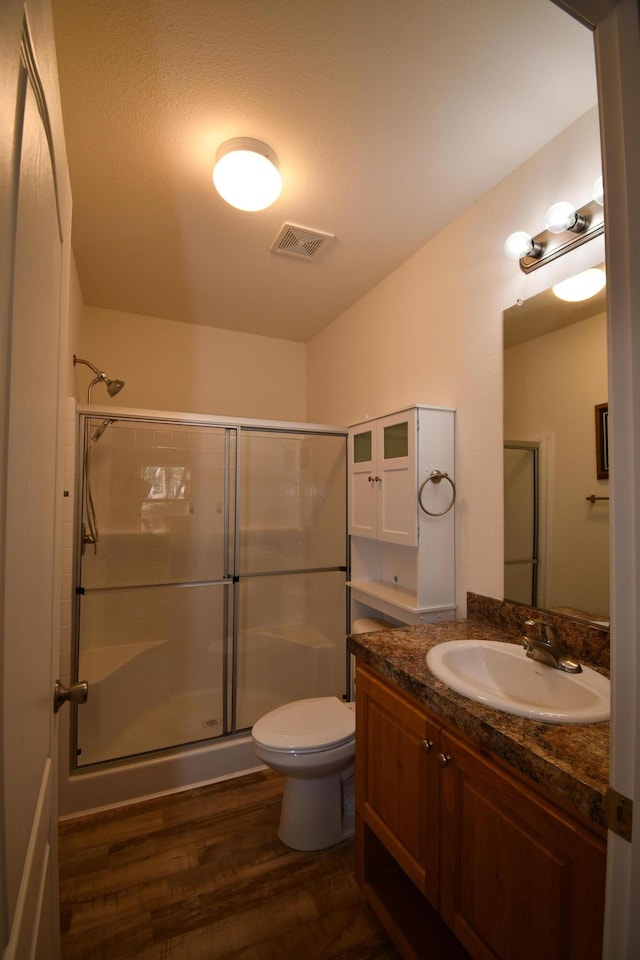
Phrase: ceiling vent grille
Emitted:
{"points": [[293, 241]]}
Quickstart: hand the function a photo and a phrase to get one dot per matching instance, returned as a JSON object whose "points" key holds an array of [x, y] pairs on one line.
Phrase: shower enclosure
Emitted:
{"points": [[210, 578]]}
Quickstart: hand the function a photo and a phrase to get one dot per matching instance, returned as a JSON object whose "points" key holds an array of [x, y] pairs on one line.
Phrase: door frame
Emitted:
{"points": [[616, 26]]}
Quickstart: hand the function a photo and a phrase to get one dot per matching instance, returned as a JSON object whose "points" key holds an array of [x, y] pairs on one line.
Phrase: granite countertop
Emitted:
{"points": [[570, 762]]}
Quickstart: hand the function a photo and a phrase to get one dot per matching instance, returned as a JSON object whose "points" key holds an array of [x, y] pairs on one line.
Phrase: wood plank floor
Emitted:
{"points": [[202, 875]]}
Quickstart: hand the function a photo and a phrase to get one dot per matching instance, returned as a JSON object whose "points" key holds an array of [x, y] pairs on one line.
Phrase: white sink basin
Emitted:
{"points": [[502, 676]]}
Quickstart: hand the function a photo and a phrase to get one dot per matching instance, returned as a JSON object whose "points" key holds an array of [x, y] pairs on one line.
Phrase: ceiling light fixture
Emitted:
{"points": [[581, 287], [566, 228], [246, 174]]}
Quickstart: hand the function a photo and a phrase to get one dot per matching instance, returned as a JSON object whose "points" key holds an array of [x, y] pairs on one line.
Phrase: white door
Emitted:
{"points": [[30, 572], [618, 59], [617, 45]]}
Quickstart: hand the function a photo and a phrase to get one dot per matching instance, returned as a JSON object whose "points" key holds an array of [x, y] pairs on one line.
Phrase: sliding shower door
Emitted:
{"points": [[154, 585], [211, 579], [521, 520], [290, 595]]}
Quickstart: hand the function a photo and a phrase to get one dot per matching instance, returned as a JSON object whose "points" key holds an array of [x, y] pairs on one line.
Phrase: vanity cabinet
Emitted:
{"points": [[397, 787], [440, 824], [402, 558]]}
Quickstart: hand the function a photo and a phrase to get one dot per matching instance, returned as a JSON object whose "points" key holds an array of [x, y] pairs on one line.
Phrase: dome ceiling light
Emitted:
{"points": [[581, 287], [246, 174]]}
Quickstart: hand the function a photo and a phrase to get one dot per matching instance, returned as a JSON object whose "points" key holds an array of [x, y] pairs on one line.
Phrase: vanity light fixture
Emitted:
{"points": [[566, 228], [598, 191], [581, 287], [246, 174], [520, 244], [562, 217]]}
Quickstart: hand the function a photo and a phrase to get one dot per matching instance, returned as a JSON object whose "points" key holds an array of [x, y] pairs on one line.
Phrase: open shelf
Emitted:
{"points": [[417, 930], [390, 598]]}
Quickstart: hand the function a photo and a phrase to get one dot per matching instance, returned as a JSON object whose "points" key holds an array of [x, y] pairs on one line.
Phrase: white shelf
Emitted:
{"points": [[390, 593]]}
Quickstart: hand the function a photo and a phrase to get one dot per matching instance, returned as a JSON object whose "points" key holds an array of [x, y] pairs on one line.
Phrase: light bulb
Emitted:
{"points": [[519, 245], [246, 174], [598, 191], [560, 217], [582, 286]]}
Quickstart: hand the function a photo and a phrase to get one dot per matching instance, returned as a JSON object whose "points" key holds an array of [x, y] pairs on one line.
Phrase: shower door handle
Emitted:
{"points": [[76, 693]]}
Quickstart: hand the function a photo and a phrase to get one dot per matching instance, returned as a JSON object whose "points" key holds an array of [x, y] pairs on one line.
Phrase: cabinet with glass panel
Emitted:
{"points": [[401, 494]]}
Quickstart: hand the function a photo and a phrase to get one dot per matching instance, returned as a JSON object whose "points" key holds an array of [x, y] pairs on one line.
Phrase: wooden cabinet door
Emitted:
{"points": [[397, 779], [519, 879]]}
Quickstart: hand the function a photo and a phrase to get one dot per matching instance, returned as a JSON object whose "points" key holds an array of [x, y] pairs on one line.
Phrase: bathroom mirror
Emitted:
{"points": [[556, 496]]}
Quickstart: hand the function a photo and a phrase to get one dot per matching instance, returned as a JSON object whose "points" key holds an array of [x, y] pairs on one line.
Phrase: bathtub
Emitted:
{"points": [[137, 704]]}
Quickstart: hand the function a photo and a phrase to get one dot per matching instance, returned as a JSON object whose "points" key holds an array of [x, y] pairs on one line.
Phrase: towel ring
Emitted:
{"points": [[435, 477]]}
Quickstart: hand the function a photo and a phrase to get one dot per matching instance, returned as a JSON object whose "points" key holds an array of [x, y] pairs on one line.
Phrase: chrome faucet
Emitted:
{"points": [[547, 648]]}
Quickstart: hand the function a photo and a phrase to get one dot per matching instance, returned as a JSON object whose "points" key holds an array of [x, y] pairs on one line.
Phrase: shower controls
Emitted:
{"points": [[76, 693]]}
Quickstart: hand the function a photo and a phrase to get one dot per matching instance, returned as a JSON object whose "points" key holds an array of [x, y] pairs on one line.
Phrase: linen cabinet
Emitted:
{"points": [[401, 515]]}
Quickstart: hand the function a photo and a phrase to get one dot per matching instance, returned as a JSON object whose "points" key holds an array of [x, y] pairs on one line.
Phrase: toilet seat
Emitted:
{"points": [[306, 726]]}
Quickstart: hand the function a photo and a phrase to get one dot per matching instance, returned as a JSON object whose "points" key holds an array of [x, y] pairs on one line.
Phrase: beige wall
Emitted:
{"points": [[431, 332], [177, 366], [74, 326], [552, 385]]}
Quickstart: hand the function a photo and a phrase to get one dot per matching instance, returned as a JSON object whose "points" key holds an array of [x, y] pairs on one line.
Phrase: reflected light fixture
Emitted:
{"points": [[565, 229], [581, 287], [246, 174]]}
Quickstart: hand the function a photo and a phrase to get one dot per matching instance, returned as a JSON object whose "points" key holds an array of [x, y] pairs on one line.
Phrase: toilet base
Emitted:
{"points": [[317, 813]]}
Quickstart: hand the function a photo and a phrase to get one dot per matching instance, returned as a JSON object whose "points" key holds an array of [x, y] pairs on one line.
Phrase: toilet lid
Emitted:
{"points": [[306, 725]]}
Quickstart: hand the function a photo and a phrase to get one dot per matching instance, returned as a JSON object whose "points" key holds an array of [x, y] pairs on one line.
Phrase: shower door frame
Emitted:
{"points": [[87, 412]]}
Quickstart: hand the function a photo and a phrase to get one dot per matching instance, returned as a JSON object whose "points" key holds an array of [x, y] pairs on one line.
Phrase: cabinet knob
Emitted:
{"points": [[445, 759], [427, 745]]}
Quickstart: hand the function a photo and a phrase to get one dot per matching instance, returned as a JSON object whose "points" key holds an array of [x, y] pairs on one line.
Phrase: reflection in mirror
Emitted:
{"points": [[556, 504]]}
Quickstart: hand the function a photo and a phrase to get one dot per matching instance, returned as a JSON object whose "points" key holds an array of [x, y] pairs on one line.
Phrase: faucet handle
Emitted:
{"points": [[548, 648], [527, 641], [546, 629]]}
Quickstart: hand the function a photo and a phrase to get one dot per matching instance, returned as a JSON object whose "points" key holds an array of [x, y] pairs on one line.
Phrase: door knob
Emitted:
{"points": [[445, 759], [76, 693]]}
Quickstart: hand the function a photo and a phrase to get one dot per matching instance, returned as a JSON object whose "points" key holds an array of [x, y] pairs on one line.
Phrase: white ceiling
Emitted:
{"points": [[389, 117]]}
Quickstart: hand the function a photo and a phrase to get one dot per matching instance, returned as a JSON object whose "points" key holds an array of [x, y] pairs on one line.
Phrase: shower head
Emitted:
{"points": [[101, 429], [113, 386]]}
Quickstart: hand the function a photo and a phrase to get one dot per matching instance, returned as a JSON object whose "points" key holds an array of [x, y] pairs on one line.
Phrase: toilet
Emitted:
{"points": [[313, 743]]}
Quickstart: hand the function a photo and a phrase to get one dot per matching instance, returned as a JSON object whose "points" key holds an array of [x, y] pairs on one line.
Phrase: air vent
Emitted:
{"points": [[300, 242]]}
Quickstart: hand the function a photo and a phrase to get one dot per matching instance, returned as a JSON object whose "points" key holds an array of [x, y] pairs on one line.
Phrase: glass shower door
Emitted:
{"points": [[521, 512], [154, 588], [291, 590]]}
